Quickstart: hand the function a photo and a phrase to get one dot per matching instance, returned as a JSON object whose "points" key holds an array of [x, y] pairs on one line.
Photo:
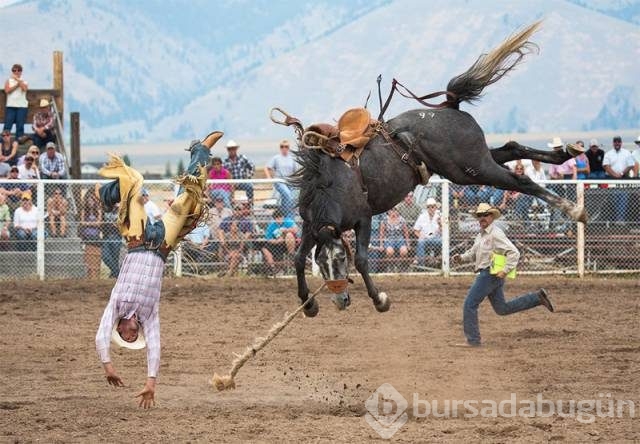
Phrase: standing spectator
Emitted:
{"points": [[52, 163], [394, 235], [111, 241], [222, 190], [283, 165], [5, 218], [9, 149], [582, 163], [57, 206], [409, 209], [16, 106], [280, 235], [153, 211], [43, 125], [596, 156], [25, 223], [617, 163], [636, 156], [89, 231], [240, 168], [490, 240], [564, 171], [28, 169], [428, 230], [519, 202], [538, 175], [234, 235]]}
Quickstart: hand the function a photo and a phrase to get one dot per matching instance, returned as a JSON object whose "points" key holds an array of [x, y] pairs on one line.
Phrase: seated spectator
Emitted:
{"points": [[595, 155], [43, 125], [428, 230], [197, 245], [222, 190], [14, 189], [52, 164], [515, 200], [9, 149], [376, 250], [153, 211], [57, 206], [89, 231], [28, 170], [217, 214], [34, 152], [537, 174], [409, 209], [234, 236], [5, 218], [25, 223], [394, 235], [280, 239]]}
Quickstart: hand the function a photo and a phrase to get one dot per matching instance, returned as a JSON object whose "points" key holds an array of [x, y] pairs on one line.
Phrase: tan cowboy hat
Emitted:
{"points": [[44, 102], [556, 142], [484, 208], [138, 344]]}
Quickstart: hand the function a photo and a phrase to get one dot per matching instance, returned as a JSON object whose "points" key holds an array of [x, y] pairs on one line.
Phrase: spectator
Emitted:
{"points": [[537, 174], [564, 171], [222, 190], [595, 155], [25, 223], [234, 235], [5, 218], [376, 250], [28, 170], [34, 152], [57, 206], [282, 166], [582, 163], [240, 168], [409, 209], [197, 243], [9, 149], [52, 164], [111, 241], [217, 214], [14, 188], [636, 156], [280, 238], [16, 106], [617, 163], [428, 230], [394, 235], [89, 232], [519, 202], [43, 125], [153, 211]]}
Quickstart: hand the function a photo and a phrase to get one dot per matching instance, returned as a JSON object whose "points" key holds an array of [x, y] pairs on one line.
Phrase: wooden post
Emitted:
{"points": [[76, 162], [58, 83]]}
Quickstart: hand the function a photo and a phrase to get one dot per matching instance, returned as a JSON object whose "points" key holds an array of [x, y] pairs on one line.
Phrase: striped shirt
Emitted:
{"points": [[137, 290], [486, 242], [240, 167]]}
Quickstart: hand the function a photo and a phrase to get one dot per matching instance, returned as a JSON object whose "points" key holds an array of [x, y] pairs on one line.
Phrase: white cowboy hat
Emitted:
{"points": [[431, 202], [556, 143], [593, 142], [44, 102], [138, 344], [232, 144], [486, 208]]}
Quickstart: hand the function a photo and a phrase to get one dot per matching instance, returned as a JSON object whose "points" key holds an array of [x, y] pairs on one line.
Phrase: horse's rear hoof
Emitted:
{"points": [[311, 309], [384, 303]]}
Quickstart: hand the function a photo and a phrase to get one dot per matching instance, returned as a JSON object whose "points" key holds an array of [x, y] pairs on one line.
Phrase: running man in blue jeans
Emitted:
{"points": [[490, 239]]}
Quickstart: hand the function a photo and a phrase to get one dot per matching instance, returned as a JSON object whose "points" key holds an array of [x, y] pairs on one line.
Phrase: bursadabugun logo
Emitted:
{"points": [[386, 410]]}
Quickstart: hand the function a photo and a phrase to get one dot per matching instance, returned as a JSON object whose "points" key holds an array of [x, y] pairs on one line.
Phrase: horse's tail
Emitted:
{"points": [[491, 67]]}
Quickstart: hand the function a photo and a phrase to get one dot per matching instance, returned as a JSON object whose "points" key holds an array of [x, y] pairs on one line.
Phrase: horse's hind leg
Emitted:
{"points": [[363, 235], [300, 260], [514, 151]]}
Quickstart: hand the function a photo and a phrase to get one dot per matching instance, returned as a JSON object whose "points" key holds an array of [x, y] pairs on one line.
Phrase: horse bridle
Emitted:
{"points": [[338, 286]]}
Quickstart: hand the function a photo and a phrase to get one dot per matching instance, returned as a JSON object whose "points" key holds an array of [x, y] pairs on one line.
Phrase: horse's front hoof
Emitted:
{"points": [[311, 309], [383, 303], [341, 300]]}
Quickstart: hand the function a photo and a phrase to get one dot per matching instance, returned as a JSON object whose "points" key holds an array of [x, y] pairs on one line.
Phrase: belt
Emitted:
{"points": [[132, 242], [138, 244], [478, 270]]}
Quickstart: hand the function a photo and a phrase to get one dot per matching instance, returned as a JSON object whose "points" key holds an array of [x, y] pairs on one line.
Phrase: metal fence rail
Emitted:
{"points": [[548, 241]]}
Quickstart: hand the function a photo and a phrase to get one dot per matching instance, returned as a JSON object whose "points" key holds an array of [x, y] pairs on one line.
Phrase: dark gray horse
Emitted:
{"points": [[448, 141]]}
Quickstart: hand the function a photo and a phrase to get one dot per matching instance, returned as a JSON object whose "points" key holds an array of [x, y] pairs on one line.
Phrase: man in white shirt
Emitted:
{"points": [[428, 229], [152, 210], [283, 165], [617, 163], [28, 170]]}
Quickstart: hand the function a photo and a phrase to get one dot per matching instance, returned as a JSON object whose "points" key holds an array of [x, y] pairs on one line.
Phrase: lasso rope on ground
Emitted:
{"points": [[227, 382]]}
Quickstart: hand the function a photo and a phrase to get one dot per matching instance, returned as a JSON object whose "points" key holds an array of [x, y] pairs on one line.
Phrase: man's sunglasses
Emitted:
{"points": [[483, 214]]}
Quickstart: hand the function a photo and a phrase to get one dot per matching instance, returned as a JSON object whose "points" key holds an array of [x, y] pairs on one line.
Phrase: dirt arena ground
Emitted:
{"points": [[310, 384]]}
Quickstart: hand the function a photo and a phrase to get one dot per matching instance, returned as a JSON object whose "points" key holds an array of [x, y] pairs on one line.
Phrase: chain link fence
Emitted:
{"points": [[58, 229]]}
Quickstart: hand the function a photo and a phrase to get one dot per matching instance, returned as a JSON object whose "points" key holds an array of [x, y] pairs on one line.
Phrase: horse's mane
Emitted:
{"points": [[314, 179]]}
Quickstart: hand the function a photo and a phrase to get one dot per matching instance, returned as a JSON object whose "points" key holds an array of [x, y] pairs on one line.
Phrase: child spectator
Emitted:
{"points": [[221, 190], [57, 206]]}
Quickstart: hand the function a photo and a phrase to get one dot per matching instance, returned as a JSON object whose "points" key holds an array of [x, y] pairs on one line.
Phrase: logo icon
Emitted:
{"points": [[386, 410]]}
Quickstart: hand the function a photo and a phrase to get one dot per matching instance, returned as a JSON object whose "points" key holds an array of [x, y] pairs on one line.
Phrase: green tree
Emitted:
{"points": [[126, 160], [167, 170], [180, 168]]}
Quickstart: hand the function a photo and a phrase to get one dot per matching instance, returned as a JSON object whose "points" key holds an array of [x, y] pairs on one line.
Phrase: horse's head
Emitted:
{"points": [[332, 256]]}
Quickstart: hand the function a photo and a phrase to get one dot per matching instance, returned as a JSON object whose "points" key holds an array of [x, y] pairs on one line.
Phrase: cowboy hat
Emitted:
{"points": [[44, 102], [138, 344], [484, 208], [431, 202], [232, 144], [637, 139], [556, 143]]}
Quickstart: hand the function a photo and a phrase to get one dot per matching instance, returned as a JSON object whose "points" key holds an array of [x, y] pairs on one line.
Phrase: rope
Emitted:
{"points": [[227, 382]]}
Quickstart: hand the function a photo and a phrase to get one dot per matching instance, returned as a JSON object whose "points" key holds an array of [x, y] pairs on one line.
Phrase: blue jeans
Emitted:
{"points": [[110, 253], [287, 201], [485, 285], [434, 243], [15, 115], [621, 202], [26, 241]]}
